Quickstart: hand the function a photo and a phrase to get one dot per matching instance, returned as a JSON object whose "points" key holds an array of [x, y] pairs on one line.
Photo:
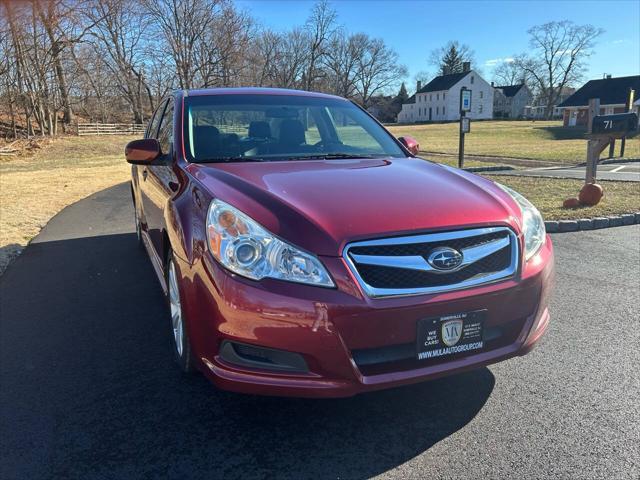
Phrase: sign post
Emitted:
{"points": [[465, 122], [594, 145], [628, 108]]}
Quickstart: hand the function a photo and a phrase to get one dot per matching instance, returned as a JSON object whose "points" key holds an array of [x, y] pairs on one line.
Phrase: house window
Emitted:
{"points": [[471, 79], [437, 96], [437, 110], [442, 110], [430, 96], [444, 96], [419, 111], [480, 108], [481, 93]]}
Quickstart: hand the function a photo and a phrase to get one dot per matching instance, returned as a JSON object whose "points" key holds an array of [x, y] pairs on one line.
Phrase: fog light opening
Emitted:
{"points": [[262, 358]]}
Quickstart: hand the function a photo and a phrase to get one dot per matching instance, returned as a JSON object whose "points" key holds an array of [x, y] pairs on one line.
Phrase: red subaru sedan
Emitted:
{"points": [[305, 251]]}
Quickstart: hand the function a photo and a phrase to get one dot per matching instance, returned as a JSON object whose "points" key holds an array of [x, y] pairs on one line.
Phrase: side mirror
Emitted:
{"points": [[142, 152], [410, 144]]}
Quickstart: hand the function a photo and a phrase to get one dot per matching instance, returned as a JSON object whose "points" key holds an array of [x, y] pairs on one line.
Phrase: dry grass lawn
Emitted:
{"points": [[35, 187], [540, 140], [547, 194]]}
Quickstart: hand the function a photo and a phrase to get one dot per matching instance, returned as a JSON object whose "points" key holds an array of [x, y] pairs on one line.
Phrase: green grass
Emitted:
{"points": [[547, 194], [540, 140]]}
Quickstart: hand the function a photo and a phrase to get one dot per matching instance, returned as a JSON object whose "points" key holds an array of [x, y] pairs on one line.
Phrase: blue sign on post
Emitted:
{"points": [[465, 100]]}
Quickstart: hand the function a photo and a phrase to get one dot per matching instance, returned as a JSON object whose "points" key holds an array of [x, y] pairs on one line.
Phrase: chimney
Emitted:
{"points": [[466, 67], [418, 85], [608, 76], [492, 84]]}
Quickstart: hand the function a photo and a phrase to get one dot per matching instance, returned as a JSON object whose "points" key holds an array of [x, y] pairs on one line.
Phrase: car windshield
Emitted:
{"points": [[235, 128]]}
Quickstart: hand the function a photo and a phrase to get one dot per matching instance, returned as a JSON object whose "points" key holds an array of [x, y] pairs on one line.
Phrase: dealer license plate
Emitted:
{"points": [[450, 334]]}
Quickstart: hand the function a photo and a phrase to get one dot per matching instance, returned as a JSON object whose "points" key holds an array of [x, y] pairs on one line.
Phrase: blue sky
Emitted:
{"points": [[493, 29]]}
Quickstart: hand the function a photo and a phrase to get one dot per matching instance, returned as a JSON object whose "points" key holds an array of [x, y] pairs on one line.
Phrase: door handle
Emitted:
{"points": [[144, 174]]}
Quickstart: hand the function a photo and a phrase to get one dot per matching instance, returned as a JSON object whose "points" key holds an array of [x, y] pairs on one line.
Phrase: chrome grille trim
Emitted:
{"points": [[416, 262]]}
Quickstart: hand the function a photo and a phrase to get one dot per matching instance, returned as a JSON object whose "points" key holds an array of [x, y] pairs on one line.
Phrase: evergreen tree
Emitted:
{"points": [[450, 57], [451, 62], [402, 96], [398, 100]]}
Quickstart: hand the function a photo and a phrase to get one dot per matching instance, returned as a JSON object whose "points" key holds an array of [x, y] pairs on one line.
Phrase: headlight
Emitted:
{"points": [[245, 247], [532, 223]]}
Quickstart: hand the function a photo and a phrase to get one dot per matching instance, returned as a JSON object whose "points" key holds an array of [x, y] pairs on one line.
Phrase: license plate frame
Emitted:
{"points": [[436, 336]]}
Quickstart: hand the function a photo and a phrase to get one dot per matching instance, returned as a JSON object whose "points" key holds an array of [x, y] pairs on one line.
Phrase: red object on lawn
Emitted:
{"points": [[590, 194], [571, 203]]}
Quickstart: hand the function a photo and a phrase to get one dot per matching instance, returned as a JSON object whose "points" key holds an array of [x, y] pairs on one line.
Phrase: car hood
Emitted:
{"points": [[321, 205]]}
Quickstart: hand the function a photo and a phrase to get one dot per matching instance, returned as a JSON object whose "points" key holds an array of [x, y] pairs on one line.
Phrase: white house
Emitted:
{"points": [[439, 100], [509, 101]]}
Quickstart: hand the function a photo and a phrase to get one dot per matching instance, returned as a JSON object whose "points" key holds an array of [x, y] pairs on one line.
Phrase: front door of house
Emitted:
{"points": [[430, 113]]}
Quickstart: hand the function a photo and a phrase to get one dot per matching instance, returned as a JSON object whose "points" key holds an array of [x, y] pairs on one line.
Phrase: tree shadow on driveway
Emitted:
{"points": [[89, 388]]}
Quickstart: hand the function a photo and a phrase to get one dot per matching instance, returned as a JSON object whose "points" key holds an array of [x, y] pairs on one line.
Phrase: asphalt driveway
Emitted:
{"points": [[623, 172], [88, 388]]}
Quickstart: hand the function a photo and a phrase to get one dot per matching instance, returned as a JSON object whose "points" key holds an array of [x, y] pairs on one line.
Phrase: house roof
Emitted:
{"points": [[411, 99], [443, 82], [610, 91], [510, 90]]}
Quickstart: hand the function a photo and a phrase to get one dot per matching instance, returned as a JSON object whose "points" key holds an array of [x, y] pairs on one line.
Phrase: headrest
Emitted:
{"points": [[291, 132], [259, 130]]}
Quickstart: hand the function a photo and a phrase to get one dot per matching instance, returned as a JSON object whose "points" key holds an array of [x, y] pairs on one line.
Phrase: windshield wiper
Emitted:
{"points": [[231, 159], [331, 156]]}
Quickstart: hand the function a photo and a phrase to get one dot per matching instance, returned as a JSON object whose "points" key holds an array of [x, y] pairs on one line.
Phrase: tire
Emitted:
{"points": [[180, 338]]}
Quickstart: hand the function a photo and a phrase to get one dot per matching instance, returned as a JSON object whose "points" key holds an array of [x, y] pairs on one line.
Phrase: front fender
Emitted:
{"points": [[185, 221]]}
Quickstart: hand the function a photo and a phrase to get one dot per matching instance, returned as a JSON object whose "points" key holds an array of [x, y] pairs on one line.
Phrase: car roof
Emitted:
{"points": [[256, 91]]}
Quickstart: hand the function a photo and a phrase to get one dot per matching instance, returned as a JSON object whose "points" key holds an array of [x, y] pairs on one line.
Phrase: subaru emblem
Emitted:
{"points": [[445, 259]]}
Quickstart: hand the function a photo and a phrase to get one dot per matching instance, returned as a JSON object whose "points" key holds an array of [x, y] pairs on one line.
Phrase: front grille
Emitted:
{"points": [[399, 266]]}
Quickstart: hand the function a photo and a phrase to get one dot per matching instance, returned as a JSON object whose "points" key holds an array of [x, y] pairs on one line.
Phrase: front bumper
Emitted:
{"points": [[333, 328]]}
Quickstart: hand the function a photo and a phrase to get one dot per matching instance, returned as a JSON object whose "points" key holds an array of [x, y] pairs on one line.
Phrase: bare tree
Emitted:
{"points": [[378, 69], [227, 45], [557, 58], [185, 27], [320, 26], [423, 77], [290, 60], [119, 35], [112, 60], [342, 62], [33, 64]]}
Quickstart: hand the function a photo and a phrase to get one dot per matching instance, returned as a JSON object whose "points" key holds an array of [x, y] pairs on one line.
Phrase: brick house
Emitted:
{"points": [[612, 92]]}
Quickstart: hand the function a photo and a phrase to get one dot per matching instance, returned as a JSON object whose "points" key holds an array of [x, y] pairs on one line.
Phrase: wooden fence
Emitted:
{"points": [[111, 129]]}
